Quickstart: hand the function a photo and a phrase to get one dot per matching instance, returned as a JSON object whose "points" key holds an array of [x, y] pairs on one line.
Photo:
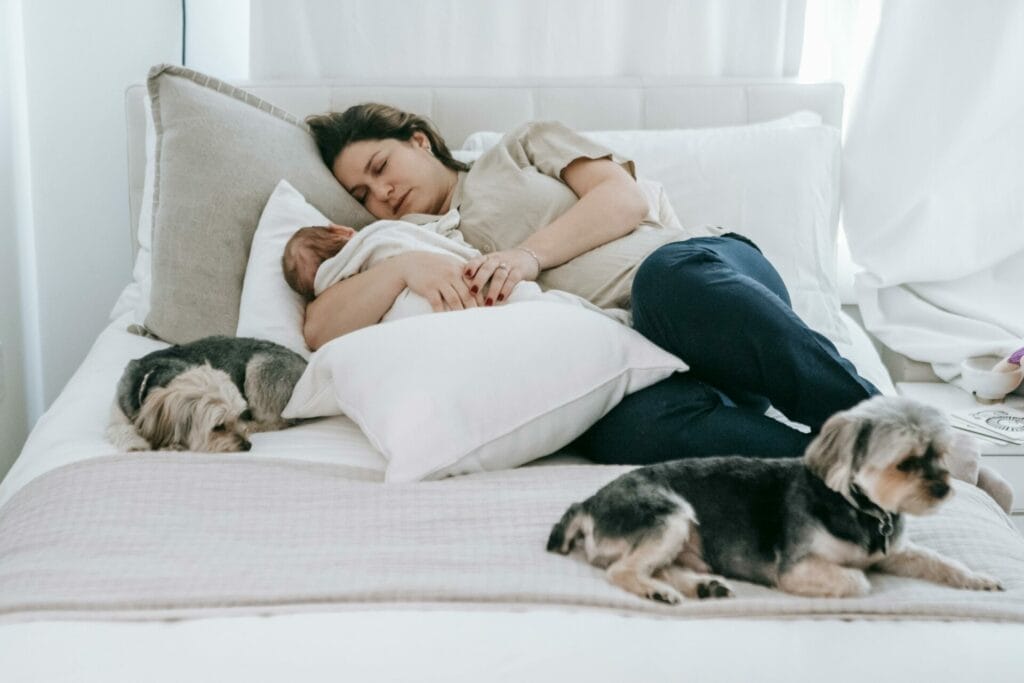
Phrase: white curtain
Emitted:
{"points": [[934, 180], [401, 39]]}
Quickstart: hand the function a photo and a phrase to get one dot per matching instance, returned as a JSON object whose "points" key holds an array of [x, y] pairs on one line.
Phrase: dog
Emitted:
{"points": [[208, 395], [808, 527]]}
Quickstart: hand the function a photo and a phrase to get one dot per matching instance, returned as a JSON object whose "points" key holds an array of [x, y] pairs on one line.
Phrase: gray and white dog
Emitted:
{"points": [[208, 395], [810, 527]]}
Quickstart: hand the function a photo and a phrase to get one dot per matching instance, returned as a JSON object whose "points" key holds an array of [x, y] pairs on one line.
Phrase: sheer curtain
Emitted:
{"points": [[934, 180], [397, 39]]}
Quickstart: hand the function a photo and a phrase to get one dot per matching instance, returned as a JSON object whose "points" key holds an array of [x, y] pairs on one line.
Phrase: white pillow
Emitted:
{"points": [[481, 141], [269, 308], [776, 182], [480, 389]]}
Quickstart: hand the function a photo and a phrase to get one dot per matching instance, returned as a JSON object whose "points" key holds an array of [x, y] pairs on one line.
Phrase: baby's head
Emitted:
{"points": [[306, 250]]}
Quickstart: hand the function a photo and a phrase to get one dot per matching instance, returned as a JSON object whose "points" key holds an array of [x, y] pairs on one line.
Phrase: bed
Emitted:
{"points": [[296, 561]]}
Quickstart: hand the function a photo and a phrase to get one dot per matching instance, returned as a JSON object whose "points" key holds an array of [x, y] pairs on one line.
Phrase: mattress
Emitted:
{"points": [[73, 428], [451, 641]]}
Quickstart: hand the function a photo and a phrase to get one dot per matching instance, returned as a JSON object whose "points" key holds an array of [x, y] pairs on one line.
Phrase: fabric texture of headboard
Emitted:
{"points": [[461, 108]]}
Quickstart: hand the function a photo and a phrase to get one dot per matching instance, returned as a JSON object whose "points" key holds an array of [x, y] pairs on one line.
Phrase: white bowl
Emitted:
{"points": [[982, 381]]}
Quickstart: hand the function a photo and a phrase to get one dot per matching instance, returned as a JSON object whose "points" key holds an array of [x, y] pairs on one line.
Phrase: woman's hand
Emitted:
{"points": [[438, 279], [491, 278]]}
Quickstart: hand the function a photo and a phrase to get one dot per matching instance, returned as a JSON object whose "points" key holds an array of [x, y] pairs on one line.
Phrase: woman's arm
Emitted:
{"points": [[363, 299], [610, 206], [354, 303]]}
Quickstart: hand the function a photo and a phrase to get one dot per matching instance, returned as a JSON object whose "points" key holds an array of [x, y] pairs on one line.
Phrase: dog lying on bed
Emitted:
{"points": [[208, 395], [809, 527]]}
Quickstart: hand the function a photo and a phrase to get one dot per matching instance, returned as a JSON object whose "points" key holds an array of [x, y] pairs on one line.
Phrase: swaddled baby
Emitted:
{"points": [[316, 258]]}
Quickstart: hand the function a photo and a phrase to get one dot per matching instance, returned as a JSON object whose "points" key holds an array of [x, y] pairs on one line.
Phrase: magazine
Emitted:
{"points": [[1002, 424]]}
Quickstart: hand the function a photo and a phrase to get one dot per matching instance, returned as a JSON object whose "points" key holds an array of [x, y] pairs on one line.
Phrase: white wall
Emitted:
{"points": [[78, 59], [217, 40], [13, 416]]}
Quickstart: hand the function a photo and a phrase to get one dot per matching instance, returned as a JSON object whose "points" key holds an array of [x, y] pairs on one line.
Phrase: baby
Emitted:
{"points": [[306, 250], [317, 257]]}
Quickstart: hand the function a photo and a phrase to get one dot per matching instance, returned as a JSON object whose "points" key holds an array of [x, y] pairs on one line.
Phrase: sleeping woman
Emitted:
{"points": [[548, 205]]}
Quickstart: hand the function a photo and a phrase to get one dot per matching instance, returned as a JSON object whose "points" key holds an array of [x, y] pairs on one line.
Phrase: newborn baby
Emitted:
{"points": [[306, 250], [316, 258]]}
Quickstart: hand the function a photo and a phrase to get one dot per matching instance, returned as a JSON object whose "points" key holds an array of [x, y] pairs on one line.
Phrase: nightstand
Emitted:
{"points": [[1007, 460]]}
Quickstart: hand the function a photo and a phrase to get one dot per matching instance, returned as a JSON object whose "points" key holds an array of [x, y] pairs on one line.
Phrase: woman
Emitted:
{"points": [[547, 204]]}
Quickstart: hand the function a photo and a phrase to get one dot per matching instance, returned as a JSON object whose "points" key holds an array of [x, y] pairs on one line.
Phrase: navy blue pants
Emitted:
{"points": [[717, 303]]}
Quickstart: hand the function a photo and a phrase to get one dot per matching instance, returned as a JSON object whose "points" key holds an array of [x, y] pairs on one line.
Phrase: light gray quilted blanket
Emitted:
{"points": [[152, 536]]}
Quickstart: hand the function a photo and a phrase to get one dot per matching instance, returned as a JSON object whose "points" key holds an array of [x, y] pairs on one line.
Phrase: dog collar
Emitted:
{"points": [[143, 387], [869, 508]]}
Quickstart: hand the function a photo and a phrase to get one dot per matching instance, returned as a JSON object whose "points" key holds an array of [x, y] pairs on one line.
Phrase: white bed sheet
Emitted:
{"points": [[73, 427], [453, 643]]}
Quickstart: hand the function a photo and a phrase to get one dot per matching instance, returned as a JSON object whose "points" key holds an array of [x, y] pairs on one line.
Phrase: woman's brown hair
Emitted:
{"points": [[372, 121]]}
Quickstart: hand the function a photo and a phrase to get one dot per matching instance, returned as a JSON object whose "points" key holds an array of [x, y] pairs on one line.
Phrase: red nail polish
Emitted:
{"points": [[501, 297], [489, 302], [474, 289], [469, 273]]}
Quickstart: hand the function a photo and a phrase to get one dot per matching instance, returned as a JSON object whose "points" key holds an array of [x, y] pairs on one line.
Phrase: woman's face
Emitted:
{"points": [[392, 178]]}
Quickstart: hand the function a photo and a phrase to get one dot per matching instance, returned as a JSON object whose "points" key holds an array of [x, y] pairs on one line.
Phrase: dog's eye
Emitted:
{"points": [[220, 428], [909, 464], [246, 415]]}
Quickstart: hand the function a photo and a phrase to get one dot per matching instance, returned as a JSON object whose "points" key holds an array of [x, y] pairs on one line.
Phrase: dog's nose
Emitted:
{"points": [[939, 489], [245, 446]]}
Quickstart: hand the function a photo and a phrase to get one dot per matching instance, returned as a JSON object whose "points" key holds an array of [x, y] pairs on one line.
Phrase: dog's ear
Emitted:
{"points": [[164, 420], [839, 449]]}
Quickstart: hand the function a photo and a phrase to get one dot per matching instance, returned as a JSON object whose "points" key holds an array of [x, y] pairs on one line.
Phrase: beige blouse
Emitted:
{"points": [[515, 188]]}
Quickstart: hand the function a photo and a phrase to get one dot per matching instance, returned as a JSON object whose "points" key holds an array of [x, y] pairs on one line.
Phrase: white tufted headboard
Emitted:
{"points": [[460, 108]]}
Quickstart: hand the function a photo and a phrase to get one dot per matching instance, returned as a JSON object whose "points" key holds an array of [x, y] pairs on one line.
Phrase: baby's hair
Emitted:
{"points": [[321, 241]]}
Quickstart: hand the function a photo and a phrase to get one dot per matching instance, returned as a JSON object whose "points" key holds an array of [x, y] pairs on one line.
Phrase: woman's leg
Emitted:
{"points": [[682, 417], [717, 303]]}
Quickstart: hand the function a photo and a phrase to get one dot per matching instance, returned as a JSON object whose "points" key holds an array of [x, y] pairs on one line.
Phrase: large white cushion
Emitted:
{"points": [[479, 389], [775, 182]]}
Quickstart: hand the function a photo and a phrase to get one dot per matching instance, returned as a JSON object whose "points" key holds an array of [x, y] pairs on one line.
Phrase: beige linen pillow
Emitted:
{"points": [[220, 152]]}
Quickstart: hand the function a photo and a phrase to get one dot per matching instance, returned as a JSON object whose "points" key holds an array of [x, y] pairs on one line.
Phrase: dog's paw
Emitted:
{"points": [[666, 595], [980, 582], [125, 438], [853, 585], [818, 581], [715, 588]]}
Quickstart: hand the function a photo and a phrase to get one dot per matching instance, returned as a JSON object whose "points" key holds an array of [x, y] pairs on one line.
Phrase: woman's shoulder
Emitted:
{"points": [[522, 144], [538, 128]]}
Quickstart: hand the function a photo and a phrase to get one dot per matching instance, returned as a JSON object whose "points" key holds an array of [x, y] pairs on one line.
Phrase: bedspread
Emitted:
{"points": [[166, 535]]}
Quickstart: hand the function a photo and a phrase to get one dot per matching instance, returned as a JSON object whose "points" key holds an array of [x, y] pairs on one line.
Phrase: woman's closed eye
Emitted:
{"points": [[361, 194]]}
